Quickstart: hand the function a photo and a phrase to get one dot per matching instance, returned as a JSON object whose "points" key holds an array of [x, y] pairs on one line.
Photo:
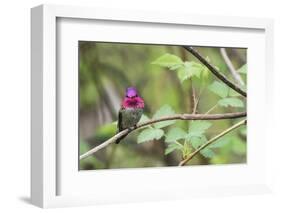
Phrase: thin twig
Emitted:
{"points": [[231, 68], [183, 162], [198, 98], [171, 117], [193, 92], [211, 109], [215, 71]]}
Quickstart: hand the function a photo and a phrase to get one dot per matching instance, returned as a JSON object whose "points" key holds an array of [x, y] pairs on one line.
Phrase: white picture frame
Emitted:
{"points": [[50, 188]]}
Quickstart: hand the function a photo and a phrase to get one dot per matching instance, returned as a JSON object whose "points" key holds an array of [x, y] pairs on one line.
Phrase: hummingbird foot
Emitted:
{"points": [[130, 129]]}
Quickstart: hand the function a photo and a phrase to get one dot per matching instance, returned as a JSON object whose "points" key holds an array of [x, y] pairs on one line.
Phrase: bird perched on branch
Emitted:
{"points": [[130, 112]]}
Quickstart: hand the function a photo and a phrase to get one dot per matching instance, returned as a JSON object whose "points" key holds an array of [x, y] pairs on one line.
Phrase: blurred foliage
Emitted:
{"points": [[165, 77]]}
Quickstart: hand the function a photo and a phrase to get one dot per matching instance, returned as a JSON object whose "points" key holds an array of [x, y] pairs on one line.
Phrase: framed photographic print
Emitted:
{"points": [[130, 106]]}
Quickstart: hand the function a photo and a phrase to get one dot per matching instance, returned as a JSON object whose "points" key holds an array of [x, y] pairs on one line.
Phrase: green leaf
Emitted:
{"points": [[193, 68], [196, 133], [169, 61], [219, 89], [198, 127], [243, 69], [186, 150], [233, 93], [174, 134], [144, 118], [207, 153], [189, 70], [239, 147], [205, 74], [197, 141], [182, 74], [165, 110], [84, 147], [220, 142], [185, 70], [233, 102], [172, 147], [243, 131], [150, 134]]}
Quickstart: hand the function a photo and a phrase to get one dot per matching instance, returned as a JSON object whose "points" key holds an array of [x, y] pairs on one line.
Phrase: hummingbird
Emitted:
{"points": [[130, 112]]}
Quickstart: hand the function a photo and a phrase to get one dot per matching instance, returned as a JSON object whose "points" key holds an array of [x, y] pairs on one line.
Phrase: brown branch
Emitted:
{"points": [[193, 94], [218, 74], [183, 162], [171, 117]]}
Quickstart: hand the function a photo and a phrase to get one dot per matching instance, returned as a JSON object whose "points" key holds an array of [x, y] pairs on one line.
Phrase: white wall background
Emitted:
{"points": [[15, 99]]}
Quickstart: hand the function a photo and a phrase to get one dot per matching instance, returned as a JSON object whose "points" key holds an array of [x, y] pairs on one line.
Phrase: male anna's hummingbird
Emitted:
{"points": [[130, 112]]}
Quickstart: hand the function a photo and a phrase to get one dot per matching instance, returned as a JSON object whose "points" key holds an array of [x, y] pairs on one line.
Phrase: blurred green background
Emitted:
{"points": [[107, 69]]}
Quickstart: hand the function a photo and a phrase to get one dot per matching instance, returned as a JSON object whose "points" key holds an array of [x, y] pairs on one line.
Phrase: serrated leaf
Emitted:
{"points": [[189, 70], [198, 127], [169, 61], [193, 68], [172, 147], [163, 111], [174, 134], [243, 69], [149, 135], [219, 89], [207, 153], [233, 102], [197, 141]]}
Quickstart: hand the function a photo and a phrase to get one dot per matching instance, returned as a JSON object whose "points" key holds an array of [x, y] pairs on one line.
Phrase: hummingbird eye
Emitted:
{"points": [[131, 96]]}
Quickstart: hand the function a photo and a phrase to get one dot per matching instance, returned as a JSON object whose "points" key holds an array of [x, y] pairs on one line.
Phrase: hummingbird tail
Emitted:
{"points": [[119, 139], [129, 130]]}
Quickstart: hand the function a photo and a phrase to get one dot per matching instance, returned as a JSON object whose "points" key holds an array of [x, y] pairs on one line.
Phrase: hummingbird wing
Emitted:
{"points": [[119, 124]]}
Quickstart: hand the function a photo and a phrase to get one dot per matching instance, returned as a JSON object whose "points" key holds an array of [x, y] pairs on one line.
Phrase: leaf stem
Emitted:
{"points": [[193, 98], [198, 99], [179, 143], [211, 109]]}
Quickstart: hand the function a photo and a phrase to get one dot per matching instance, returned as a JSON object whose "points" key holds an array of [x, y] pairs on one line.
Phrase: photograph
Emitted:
{"points": [[157, 105]]}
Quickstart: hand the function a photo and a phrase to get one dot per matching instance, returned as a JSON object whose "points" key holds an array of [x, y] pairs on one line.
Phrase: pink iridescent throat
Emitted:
{"points": [[134, 102]]}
